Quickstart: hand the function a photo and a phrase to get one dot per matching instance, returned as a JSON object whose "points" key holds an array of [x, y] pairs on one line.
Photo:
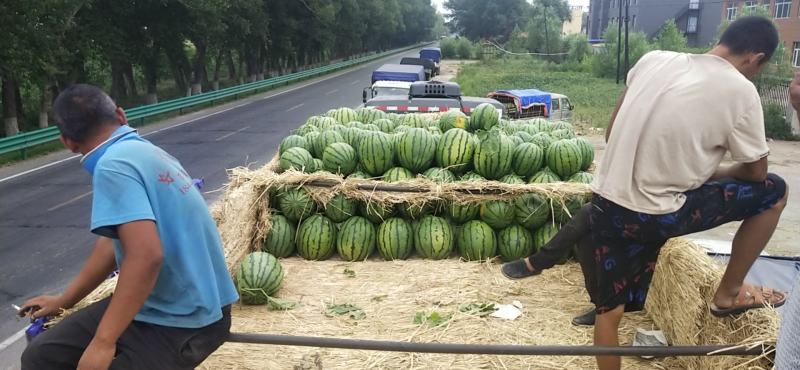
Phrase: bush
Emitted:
{"points": [[448, 46], [578, 46], [604, 63], [775, 124], [465, 49]]}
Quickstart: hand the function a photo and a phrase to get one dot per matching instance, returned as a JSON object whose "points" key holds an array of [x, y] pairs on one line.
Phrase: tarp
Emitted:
{"points": [[425, 63], [527, 98], [399, 72], [434, 54]]}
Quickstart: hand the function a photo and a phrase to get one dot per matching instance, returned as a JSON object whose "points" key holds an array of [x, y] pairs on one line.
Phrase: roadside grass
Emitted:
{"points": [[593, 97]]}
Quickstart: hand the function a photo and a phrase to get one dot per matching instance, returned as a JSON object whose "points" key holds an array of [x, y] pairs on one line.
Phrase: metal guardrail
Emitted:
{"points": [[25, 140]]}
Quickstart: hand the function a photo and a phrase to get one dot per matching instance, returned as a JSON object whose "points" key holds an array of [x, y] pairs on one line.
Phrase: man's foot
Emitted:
{"points": [[750, 297], [585, 319], [519, 269]]}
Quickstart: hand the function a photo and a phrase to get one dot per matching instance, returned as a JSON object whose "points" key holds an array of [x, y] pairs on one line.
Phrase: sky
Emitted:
{"points": [[440, 7]]}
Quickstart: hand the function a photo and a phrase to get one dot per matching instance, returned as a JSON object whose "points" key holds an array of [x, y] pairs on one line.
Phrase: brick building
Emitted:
{"points": [[786, 14]]}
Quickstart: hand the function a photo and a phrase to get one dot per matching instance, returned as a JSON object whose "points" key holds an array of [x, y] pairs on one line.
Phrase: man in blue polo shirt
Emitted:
{"points": [[171, 306]]}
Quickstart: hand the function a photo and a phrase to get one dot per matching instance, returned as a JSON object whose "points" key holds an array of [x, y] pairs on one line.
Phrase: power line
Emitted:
{"points": [[513, 53]]}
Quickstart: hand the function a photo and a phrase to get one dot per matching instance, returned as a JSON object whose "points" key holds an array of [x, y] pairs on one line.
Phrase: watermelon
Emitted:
{"points": [[397, 174], [325, 123], [355, 241], [370, 115], [564, 158], [437, 174], [526, 137], [562, 134], [542, 125], [516, 140], [472, 176], [280, 238], [484, 116], [461, 213], [316, 165], [542, 139], [455, 150], [340, 208], [313, 120], [587, 152], [497, 213], [259, 276], [325, 138], [296, 204], [415, 120], [359, 175], [316, 237], [370, 127], [415, 149], [544, 176], [339, 158], [562, 125], [493, 156], [512, 179], [293, 141], [395, 239], [376, 153], [531, 211], [433, 238], [528, 159], [296, 158], [376, 212], [530, 129], [304, 130], [416, 211], [582, 177], [476, 241], [386, 125], [401, 128], [514, 242], [562, 213], [543, 235], [452, 119], [344, 115], [351, 136]]}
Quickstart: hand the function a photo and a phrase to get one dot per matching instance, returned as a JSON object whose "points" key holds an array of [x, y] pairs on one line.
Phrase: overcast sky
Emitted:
{"points": [[439, 3]]}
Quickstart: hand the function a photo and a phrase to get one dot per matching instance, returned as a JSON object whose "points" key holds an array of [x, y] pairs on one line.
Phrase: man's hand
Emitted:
{"points": [[97, 356], [43, 305], [794, 92]]}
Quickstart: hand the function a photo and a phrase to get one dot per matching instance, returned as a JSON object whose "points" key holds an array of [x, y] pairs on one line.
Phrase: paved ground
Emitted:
{"points": [[44, 235]]}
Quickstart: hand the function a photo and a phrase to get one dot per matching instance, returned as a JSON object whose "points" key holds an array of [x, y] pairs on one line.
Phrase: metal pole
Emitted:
{"points": [[619, 40], [546, 41], [497, 349], [627, 51]]}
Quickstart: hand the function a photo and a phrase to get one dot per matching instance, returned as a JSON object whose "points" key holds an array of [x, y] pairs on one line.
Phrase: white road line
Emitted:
{"points": [[73, 200], [334, 91], [295, 107], [23, 173], [354, 82], [12, 339], [223, 137]]}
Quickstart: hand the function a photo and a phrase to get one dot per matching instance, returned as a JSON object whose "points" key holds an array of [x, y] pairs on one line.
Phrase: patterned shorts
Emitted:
{"points": [[627, 243]]}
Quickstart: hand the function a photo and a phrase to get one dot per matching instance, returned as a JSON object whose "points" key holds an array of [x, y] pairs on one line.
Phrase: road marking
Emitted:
{"points": [[354, 82], [223, 137], [12, 339], [73, 200], [295, 107], [334, 91]]}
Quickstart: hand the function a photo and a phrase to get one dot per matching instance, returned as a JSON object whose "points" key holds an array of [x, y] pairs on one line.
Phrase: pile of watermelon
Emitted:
{"points": [[450, 147]]}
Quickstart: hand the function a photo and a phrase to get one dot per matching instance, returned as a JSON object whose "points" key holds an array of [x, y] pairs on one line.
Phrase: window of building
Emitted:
{"points": [[782, 8], [613, 4], [691, 25], [633, 21], [796, 54], [731, 11], [694, 4], [750, 4]]}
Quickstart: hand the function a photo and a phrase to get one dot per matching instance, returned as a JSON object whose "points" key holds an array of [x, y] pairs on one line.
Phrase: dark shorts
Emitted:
{"points": [[141, 346], [627, 243]]}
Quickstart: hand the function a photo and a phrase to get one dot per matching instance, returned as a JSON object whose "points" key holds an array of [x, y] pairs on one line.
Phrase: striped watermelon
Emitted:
{"points": [[531, 211], [386, 125], [526, 137], [370, 127], [376, 153], [316, 237], [530, 129], [292, 141], [493, 156], [563, 213], [415, 149], [259, 276], [455, 150], [542, 139], [433, 238], [528, 159], [304, 130], [562, 134], [416, 211], [415, 120], [562, 125], [542, 125], [476, 241], [351, 136], [587, 152], [339, 158], [512, 179], [355, 241], [514, 242], [582, 177], [543, 235], [340, 208], [325, 138], [395, 239], [397, 174], [296, 158], [313, 120], [472, 176], [401, 128], [461, 213], [296, 204], [317, 165], [497, 213], [280, 239], [484, 116], [325, 123], [397, 118], [370, 115], [516, 140], [344, 115], [437, 174], [452, 119], [376, 212], [564, 158], [544, 176]]}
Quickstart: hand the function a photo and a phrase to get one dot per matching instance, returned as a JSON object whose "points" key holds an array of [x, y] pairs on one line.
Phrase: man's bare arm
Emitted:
{"points": [[616, 111], [752, 172]]}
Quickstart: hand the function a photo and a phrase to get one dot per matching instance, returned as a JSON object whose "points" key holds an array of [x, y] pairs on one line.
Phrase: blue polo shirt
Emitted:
{"points": [[133, 180]]}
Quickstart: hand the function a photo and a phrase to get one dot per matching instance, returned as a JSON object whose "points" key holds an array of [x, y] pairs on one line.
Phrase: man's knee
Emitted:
{"points": [[781, 188], [33, 356]]}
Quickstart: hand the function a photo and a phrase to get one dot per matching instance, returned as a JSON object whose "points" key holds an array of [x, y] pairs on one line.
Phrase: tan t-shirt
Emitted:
{"points": [[681, 114]]}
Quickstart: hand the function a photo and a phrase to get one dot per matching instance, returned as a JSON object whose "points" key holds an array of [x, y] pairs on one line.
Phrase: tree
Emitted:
{"points": [[578, 47], [604, 64], [480, 19], [670, 38]]}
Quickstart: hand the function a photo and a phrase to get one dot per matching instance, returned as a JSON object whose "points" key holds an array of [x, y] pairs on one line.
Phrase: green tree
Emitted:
{"points": [[578, 47], [670, 38], [604, 63], [481, 19]]}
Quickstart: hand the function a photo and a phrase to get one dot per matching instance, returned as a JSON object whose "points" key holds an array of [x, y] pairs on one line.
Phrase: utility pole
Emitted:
{"points": [[627, 51], [546, 46], [619, 40]]}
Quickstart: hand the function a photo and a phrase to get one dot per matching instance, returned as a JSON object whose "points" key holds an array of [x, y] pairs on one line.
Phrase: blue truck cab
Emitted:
{"points": [[434, 54]]}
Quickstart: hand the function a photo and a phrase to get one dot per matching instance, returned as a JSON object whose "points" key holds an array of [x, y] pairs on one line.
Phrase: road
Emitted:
{"points": [[44, 235]]}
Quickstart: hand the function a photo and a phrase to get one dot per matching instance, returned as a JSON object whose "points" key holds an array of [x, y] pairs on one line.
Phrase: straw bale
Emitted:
{"points": [[684, 283]]}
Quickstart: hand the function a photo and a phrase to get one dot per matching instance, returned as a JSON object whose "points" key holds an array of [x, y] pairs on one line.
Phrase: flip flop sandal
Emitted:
{"points": [[746, 301], [517, 270]]}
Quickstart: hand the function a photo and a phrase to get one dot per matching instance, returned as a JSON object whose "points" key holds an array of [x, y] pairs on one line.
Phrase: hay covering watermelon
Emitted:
{"points": [[395, 239], [531, 210], [514, 242], [296, 204], [258, 277], [461, 213], [280, 239], [340, 208], [476, 241], [316, 238], [415, 149], [433, 238], [376, 212], [355, 241], [439, 175], [296, 158]]}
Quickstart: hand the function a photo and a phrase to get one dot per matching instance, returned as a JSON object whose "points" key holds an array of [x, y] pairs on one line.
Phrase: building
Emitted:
{"points": [[575, 25], [697, 19], [785, 13]]}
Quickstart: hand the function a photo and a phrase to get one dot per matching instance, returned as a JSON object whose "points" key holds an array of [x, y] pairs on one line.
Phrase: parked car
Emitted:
{"points": [[428, 64], [433, 54], [531, 103], [398, 72], [429, 97], [385, 88]]}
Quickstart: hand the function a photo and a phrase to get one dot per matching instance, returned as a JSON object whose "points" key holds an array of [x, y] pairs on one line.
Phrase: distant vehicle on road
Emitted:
{"points": [[530, 103], [428, 64], [398, 72], [385, 88], [434, 54], [431, 97]]}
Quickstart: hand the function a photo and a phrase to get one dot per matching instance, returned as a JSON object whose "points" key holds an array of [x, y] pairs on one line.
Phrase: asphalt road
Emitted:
{"points": [[44, 235]]}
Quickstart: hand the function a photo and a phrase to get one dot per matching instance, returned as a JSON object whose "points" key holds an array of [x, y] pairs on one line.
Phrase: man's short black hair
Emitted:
{"points": [[751, 34], [80, 110]]}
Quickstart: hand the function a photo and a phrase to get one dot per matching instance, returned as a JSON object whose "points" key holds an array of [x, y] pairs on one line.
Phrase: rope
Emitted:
{"points": [[513, 53], [498, 349]]}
